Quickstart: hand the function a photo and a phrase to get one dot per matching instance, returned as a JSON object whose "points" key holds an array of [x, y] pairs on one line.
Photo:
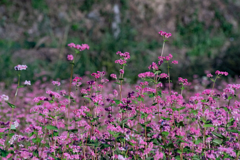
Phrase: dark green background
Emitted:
{"points": [[199, 44]]}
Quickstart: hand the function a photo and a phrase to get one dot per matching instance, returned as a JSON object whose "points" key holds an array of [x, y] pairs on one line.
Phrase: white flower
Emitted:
{"points": [[27, 83], [120, 157], [20, 67], [4, 97], [16, 124]]}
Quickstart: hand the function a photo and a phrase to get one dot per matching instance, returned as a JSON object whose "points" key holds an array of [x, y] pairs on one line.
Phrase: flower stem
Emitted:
{"points": [[163, 46], [11, 119], [69, 90]]}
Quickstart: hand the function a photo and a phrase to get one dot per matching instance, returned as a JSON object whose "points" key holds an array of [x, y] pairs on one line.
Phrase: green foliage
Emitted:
{"points": [[40, 5], [87, 5], [5, 2]]}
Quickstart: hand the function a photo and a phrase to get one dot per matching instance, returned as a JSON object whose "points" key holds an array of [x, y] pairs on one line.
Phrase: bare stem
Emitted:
{"points": [[163, 46]]}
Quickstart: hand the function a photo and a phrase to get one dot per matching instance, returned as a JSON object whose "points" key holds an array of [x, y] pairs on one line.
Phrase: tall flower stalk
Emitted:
{"points": [[70, 58], [17, 68]]}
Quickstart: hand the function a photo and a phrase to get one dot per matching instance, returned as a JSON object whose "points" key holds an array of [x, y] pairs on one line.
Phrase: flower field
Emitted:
{"points": [[100, 118]]}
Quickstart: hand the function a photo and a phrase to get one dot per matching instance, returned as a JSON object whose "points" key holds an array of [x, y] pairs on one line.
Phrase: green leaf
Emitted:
{"points": [[225, 108], [160, 93], [36, 140], [20, 87], [166, 118], [151, 95], [157, 72], [218, 135], [194, 112], [229, 98], [140, 99], [117, 83], [10, 104], [165, 133], [88, 114], [117, 101], [87, 98], [13, 126], [208, 125], [77, 51], [102, 146], [135, 102], [50, 127], [217, 141], [121, 79], [233, 131], [73, 130], [148, 79], [179, 109], [198, 141], [94, 119], [3, 153]]}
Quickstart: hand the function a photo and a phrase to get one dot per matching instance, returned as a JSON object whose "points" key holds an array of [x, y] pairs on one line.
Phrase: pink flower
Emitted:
{"points": [[121, 71], [175, 62], [158, 155], [70, 57], [209, 75], [115, 92], [4, 97], [153, 66], [163, 75], [113, 76], [84, 46], [167, 35], [76, 79], [164, 34], [221, 73], [56, 83], [27, 83], [78, 47], [72, 45]]}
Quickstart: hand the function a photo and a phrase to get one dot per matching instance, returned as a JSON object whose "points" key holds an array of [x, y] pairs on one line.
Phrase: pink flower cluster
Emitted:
{"points": [[98, 74], [70, 57], [175, 62], [76, 79], [169, 57], [221, 73], [56, 83], [4, 97], [125, 55], [113, 76], [27, 83], [209, 75], [121, 71], [163, 75], [164, 34], [20, 67], [146, 74], [79, 47], [153, 66], [183, 81], [121, 61]]}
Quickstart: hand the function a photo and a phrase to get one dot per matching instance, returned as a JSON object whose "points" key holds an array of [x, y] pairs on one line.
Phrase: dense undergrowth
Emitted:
{"points": [[84, 118]]}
